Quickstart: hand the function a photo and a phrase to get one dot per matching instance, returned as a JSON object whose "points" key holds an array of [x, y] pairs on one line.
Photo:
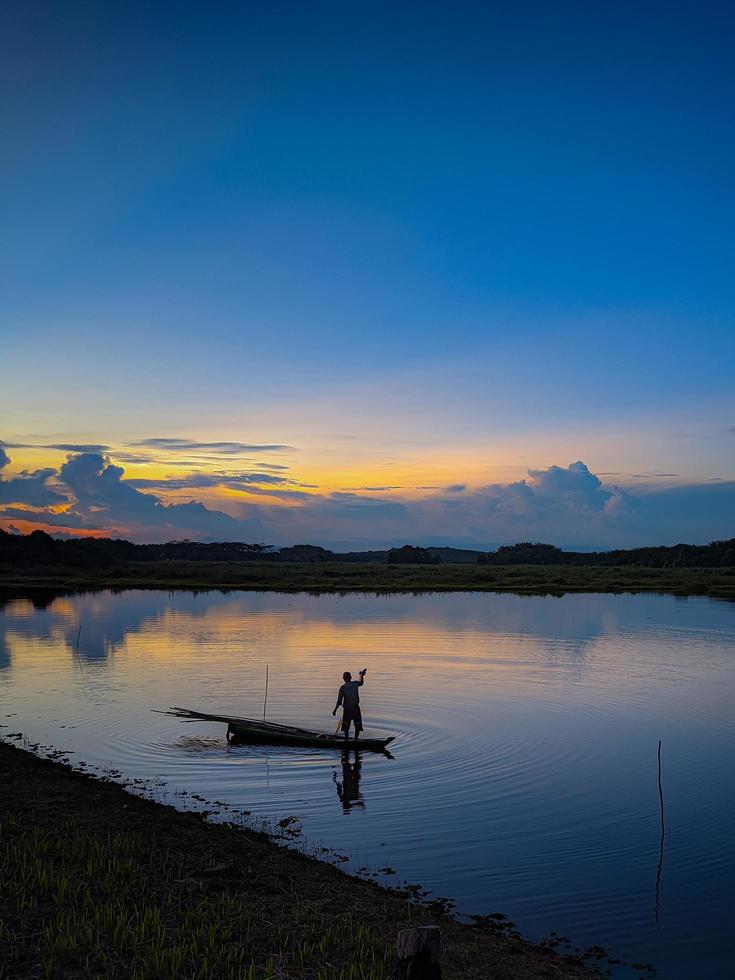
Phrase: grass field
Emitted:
{"points": [[358, 577]]}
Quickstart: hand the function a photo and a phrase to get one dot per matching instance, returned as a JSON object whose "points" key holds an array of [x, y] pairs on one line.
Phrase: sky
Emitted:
{"points": [[363, 274]]}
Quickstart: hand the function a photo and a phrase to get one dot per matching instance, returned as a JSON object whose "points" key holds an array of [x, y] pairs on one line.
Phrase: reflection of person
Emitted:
{"points": [[348, 790], [349, 698]]}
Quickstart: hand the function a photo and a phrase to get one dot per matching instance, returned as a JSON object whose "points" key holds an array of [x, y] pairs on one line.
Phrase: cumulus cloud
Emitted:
{"points": [[29, 488], [574, 485], [573, 489], [101, 494], [568, 502], [99, 498]]}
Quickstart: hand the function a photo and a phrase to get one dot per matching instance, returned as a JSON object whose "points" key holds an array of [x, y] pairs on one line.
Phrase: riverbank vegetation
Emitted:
{"points": [[347, 577], [38, 560], [99, 883]]}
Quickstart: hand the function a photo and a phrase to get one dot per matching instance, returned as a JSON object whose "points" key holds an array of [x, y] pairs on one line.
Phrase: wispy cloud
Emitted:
{"points": [[177, 445], [198, 481], [66, 447], [648, 476], [372, 489]]}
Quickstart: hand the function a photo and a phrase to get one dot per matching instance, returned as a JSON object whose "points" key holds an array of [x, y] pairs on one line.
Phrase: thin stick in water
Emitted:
{"points": [[265, 699], [76, 647], [662, 834]]}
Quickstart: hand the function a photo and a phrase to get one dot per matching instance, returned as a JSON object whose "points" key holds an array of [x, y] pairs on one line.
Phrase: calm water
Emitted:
{"points": [[524, 776]]}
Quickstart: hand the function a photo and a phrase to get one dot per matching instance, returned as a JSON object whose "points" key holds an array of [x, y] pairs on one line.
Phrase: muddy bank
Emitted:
{"points": [[97, 882]]}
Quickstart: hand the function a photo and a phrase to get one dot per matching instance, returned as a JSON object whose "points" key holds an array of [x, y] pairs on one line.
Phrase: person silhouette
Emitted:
{"points": [[348, 697]]}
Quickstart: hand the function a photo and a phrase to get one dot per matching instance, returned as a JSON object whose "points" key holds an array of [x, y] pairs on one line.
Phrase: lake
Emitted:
{"points": [[524, 773]]}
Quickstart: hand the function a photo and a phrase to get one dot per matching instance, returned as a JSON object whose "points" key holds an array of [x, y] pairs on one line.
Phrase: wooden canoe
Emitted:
{"points": [[269, 733]]}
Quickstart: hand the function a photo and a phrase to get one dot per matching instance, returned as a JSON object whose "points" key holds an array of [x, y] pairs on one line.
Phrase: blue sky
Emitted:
{"points": [[450, 241]]}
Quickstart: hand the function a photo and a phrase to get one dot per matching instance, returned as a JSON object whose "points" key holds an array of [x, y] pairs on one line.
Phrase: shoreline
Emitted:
{"points": [[154, 891], [339, 577]]}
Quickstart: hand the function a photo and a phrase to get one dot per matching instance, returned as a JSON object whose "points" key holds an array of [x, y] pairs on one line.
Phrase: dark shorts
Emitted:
{"points": [[353, 715]]}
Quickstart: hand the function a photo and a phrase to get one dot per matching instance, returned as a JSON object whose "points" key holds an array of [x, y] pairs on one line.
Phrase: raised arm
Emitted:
{"points": [[362, 677]]}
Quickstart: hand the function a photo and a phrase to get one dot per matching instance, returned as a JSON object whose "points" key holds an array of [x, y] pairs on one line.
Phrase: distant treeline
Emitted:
{"points": [[39, 548], [717, 553]]}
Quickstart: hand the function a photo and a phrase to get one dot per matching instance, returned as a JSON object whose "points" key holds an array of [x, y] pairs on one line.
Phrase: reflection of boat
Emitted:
{"points": [[249, 730]]}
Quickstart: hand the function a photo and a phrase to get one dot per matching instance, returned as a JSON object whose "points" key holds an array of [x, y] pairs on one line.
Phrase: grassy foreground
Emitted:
{"points": [[98, 883], [359, 577]]}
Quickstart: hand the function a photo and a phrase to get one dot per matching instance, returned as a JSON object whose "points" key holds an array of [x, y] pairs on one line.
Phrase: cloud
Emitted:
{"points": [[647, 476], [235, 481], [569, 501], [101, 495], [29, 488], [70, 447], [347, 501], [100, 499], [173, 444], [695, 512], [575, 486], [565, 505]]}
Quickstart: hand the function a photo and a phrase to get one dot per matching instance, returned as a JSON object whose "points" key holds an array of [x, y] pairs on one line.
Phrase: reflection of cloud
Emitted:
{"points": [[487, 629]]}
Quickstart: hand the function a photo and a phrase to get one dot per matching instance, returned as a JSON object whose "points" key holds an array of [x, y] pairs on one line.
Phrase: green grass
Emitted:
{"points": [[358, 577], [90, 903]]}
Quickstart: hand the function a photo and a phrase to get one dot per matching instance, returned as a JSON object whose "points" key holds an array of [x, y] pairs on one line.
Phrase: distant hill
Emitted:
{"points": [[40, 549]]}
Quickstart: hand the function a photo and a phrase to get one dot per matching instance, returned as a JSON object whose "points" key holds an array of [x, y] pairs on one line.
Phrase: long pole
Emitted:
{"points": [[265, 698], [661, 839]]}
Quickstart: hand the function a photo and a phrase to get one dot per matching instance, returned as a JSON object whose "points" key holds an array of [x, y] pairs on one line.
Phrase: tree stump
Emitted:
{"points": [[418, 952]]}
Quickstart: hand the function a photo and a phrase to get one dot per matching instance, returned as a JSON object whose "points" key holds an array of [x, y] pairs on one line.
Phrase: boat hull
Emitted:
{"points": [[248, 730], [239, 734]]}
